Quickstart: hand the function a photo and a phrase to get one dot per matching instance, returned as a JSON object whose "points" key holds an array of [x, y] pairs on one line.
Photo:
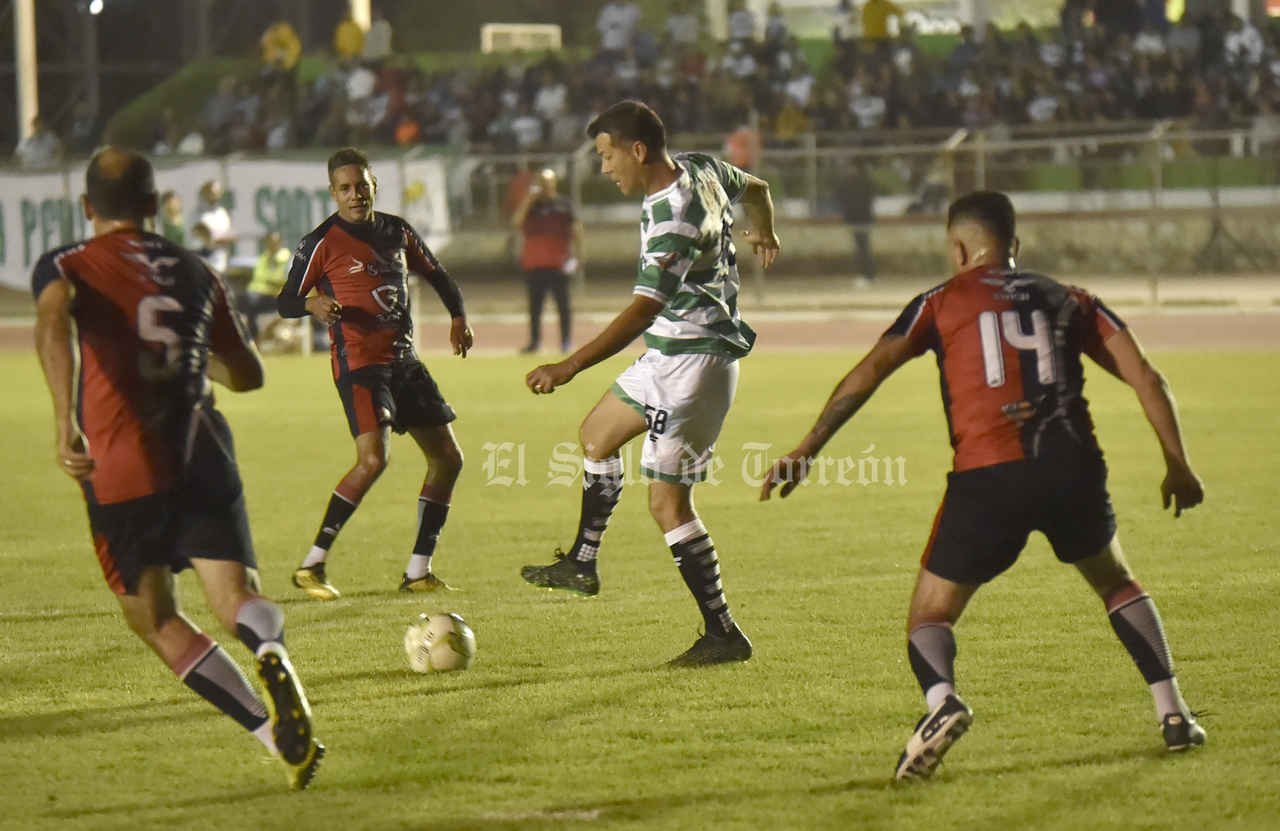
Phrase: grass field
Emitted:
{"points": [[566, 721]]}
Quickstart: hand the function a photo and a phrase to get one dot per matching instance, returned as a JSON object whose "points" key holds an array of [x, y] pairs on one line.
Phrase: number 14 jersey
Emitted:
{"points": [[1008, 345]]}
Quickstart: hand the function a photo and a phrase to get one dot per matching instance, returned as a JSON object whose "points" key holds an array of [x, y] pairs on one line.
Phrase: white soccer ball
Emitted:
{"points": [[439, 643]]}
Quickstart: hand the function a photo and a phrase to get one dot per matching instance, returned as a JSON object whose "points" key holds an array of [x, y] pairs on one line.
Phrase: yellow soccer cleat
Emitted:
{"points": [[312, 581]]}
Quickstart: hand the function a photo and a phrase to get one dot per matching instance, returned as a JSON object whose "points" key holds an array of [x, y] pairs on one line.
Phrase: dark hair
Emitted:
{"points": [[347, 156], [630, 121], [990, 209], [120, 184]]}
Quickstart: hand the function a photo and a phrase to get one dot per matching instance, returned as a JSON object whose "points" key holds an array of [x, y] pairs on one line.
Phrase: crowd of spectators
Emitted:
{"points": [[1107, 61]]}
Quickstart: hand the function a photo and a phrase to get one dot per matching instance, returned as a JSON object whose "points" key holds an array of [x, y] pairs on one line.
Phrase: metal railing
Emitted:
{"points": [[1160, 166]]}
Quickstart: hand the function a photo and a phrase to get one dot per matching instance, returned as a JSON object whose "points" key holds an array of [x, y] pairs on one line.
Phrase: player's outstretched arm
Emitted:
{"points": [[1181, 486], [758, 205], [854, 390], [55, 336], [625, 328]]}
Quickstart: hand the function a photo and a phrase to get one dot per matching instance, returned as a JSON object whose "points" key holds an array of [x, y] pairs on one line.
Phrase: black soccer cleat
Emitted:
{"points": [[566, 574], [934, 735], [1181, 732], [710, 650]]}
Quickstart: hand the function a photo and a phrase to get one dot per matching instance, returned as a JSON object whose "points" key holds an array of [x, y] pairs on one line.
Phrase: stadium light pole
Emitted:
{"points": [[92, 70], [362, 13], [24, 50]]}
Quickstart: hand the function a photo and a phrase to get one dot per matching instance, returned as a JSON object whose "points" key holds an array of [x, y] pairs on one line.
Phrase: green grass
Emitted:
{"points": [[565, 721]]}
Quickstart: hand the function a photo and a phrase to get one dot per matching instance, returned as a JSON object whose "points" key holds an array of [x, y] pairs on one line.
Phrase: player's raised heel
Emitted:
{"points": [[710, 650], [565, 574], [312, 580], [934, 735], [286, 705], [1181, 732]]}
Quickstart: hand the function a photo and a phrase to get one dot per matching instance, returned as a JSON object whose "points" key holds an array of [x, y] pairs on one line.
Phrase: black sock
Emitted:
{"points": [[337, 514], [695, 556], [932, 651], [1137, 624], [601, 490], [431, 518], [217, 679]]}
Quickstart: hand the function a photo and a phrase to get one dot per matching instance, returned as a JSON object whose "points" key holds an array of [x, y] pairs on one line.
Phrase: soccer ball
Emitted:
{"points": [[439, 643]]}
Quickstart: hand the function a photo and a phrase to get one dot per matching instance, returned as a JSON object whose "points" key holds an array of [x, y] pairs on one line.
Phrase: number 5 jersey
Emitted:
{"points": [[147, 313]]}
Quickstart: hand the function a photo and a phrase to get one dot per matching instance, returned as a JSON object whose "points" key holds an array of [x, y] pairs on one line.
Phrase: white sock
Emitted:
{"points": [[314, 557], [937, 694], [419, 566], [1168, 698], [263, 734]]}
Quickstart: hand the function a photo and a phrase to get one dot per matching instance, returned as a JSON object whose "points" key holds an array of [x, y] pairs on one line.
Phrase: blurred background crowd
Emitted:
{"points": [[1106, 61]]}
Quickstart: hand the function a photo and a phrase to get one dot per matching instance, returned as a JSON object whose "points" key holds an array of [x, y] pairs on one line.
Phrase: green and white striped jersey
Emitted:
{"points": [[687, 260]]}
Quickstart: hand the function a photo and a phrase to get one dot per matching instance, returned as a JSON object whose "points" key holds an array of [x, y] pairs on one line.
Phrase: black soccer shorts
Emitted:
{"points": [[987, 514], [402, 395]]}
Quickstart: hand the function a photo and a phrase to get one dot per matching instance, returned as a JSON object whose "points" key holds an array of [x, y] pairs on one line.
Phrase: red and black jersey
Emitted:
{"points": [[1008, 345], [365, 266], [147, 314], [548, 233]]}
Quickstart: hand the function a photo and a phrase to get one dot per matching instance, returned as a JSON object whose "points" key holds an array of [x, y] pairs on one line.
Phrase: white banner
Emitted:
{"points": [[40, 211]]}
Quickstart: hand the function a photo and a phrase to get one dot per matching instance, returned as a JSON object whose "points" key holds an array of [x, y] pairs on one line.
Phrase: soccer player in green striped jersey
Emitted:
{"points": [[686, 305]]}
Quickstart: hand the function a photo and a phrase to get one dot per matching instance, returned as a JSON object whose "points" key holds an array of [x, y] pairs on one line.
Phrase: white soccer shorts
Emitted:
{"points": [[684, 399]]}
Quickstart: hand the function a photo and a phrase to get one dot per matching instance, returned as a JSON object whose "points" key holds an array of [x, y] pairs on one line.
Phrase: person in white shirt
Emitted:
{"points": [[617, 25], [1242, 43], [214, 216], [41, 148]]}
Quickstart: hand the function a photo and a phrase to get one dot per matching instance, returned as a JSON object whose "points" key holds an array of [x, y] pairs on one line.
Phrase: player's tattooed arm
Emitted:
{"points": [[854, 390], [837, 412]]}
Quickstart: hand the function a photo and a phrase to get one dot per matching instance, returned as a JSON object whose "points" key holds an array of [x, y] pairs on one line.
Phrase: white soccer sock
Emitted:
{"points": [[419, 566], [264, 735], [937, 694], [1168, 698], [314, 557]]}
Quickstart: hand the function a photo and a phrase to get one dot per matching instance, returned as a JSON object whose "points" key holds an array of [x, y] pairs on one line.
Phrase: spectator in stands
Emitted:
{"points": [[616, 24], [280, 51], [964, 54], [1150, 41], [876, 15], [377, 41], [1242, 46], [790, 120], [1185, 38], [683, 25], [219, 111], [1071, 20], [40, 149], [775, 28], [741, 23], [348, 40]]}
